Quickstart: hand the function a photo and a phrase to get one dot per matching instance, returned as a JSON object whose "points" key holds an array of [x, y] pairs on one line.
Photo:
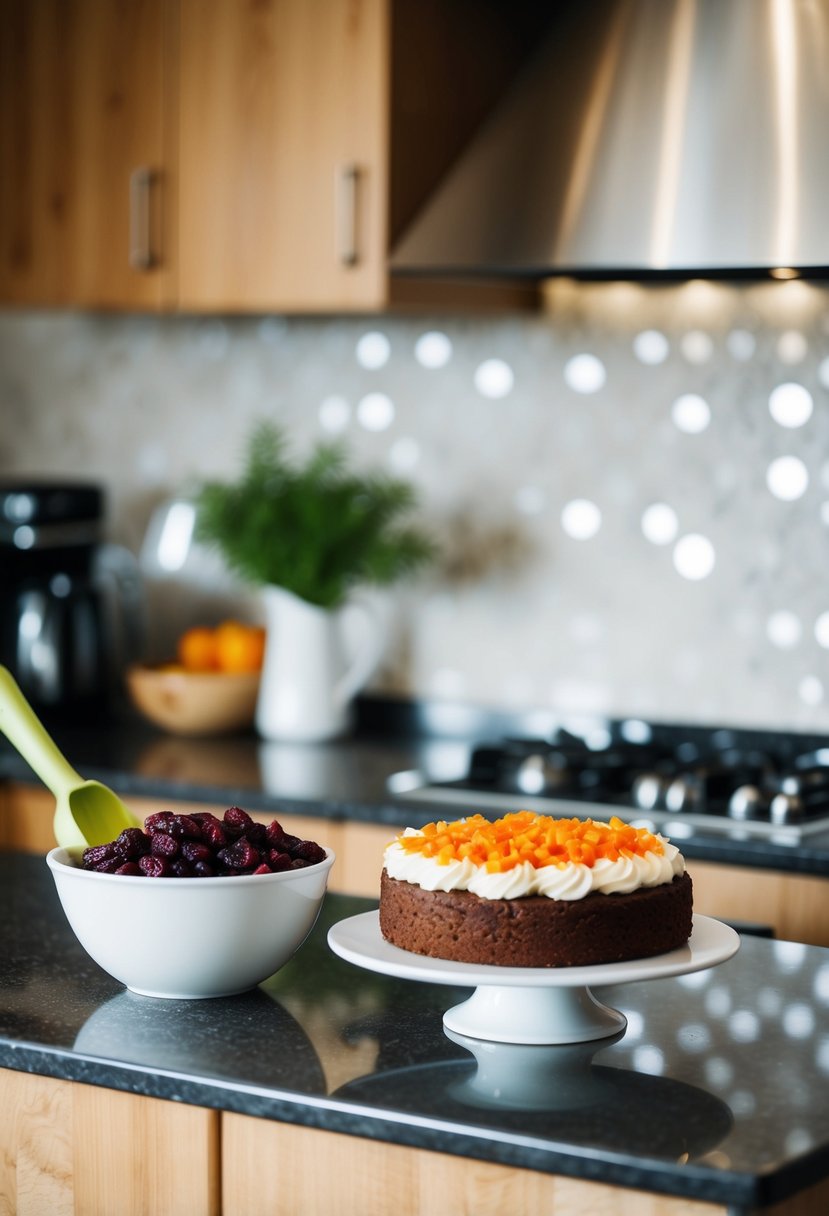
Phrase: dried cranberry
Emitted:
{"points": [[310, 851], [129, 867], [237, 821], [201, 846], [203, 817], [194, 850], [274, 833], [165, 846], [132, 843], [257, 835], [187, 826], [152, 866], [158, 822], [241, 855], [98, 853], [107, 867], [214, 835]]}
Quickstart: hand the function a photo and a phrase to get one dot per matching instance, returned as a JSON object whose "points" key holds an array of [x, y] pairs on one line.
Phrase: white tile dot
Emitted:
{"points": [[822, 630], [694, 556], [691, 413], [783, 629], [581, 519], [373, 350], [494, 378], [787, 478], [659, 523], [375, 412], [433, 349], [585, 373], [791, 404], [651, 347]]}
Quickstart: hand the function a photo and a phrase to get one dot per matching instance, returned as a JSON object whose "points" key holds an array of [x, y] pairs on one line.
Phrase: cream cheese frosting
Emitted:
{"points": [[567, 881]]}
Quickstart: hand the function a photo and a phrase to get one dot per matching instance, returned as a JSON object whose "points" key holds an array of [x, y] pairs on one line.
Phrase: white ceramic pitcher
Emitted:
{"points": [[313, 668]]}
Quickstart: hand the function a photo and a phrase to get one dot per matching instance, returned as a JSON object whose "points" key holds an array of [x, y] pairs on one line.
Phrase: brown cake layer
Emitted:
{"points": [[536, 931]]}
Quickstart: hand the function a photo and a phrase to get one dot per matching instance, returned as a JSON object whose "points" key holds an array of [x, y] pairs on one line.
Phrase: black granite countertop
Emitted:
{"points": [[715, 1091], [341, 780]]}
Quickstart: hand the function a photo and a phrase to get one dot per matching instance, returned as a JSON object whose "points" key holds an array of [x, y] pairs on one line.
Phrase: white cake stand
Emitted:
{"points": [[535, 1005]]}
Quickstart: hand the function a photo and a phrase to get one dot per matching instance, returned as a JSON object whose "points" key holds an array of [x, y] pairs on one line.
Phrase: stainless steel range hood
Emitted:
{"points": [[682, 137]]}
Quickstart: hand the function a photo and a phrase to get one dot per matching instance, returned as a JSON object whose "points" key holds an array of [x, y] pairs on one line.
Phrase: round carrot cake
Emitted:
{"points": [[528, 890]]}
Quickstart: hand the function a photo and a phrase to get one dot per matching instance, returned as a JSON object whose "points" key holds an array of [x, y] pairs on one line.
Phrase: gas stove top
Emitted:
{"points": [[773, 785]]}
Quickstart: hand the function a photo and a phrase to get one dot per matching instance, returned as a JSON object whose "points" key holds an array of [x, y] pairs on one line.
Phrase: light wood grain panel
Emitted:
{"points": [[276, 100], [362, 857], [83, 93], [795, 905], [321, 1173], [77, 1150], [135, 1155], [36, 1127]]}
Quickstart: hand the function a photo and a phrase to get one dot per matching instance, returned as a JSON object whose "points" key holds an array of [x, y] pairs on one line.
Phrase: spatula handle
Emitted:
{"points": [[24, 730]]}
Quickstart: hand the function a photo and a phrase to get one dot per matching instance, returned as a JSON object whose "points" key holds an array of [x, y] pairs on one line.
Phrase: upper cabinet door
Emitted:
{"points": [[282, 155], [84, 202]]}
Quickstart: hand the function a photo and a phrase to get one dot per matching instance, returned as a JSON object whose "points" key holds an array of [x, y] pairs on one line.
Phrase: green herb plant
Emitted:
{"points": [[316, 529]]}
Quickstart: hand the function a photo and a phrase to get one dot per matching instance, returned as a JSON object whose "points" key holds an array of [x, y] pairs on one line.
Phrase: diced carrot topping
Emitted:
{"points": [[526, 837]]}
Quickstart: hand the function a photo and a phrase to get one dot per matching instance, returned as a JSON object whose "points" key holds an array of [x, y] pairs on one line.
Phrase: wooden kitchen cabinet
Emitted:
{"points": [[84, 199], [237, 156], [68, 1149], [309, 131], [282, 154]]}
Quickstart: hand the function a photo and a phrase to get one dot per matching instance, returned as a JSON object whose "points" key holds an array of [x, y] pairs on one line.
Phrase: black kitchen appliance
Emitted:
{"points": [[71, 607], [746, 783]]}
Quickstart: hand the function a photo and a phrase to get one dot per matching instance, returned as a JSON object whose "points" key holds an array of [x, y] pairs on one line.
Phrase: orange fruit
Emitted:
{"points": [[239, 647], [197, 649]]}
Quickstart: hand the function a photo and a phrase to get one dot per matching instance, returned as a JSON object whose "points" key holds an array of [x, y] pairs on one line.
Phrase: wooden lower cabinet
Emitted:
{"points": [[794, 905], [318, 1173], [79, 1150]]}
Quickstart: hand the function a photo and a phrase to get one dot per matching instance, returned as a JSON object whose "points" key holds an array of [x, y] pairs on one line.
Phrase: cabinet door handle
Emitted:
{"points": [[141, 248], [347, 200]]}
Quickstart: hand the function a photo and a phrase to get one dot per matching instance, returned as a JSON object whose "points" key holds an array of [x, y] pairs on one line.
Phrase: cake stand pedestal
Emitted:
{"points": [[532, 1005]]}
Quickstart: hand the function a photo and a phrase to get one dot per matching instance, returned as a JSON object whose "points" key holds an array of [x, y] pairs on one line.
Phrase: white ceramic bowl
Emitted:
{"points": [[187, 938]]}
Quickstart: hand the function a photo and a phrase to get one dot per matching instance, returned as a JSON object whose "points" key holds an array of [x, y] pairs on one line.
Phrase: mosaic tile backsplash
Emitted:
{"points": [[630, 491]]}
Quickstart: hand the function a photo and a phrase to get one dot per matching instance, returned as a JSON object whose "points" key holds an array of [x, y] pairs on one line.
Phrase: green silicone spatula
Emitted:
{"points": [[86, 812]]}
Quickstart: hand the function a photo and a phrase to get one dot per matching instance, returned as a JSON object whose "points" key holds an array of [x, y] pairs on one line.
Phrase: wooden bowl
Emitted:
{"points": [[194, 702]]}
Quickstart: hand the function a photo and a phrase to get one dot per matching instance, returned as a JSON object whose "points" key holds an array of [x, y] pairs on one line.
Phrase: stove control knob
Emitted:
{"points": [[536, 775], [648, 792], [685, 794], [786, 809], [748, 802]]}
